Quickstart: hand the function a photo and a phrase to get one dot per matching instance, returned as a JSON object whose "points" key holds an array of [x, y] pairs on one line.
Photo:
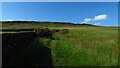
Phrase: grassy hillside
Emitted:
{"points": [[86, 47], [81, 46], [29, 25]]}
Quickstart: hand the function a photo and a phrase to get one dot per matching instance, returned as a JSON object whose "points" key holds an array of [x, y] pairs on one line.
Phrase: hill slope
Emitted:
{"points": [[81, 46]]}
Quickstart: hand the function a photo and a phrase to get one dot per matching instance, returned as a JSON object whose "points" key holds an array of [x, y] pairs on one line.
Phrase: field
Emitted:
{"points": [[81, 46], [87, 47]]}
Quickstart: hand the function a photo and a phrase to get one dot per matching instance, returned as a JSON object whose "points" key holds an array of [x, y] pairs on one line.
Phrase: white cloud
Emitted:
{"points": [[87, 20], [100, 17], [97, 23], [9, 20]]}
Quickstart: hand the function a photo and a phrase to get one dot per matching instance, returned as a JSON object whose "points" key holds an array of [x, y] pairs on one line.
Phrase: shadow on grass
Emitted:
{"points": [[24, 50]]}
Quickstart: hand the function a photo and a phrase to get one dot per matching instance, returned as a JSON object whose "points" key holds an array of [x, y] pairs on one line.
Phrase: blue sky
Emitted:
{"points": [[106, 13]]}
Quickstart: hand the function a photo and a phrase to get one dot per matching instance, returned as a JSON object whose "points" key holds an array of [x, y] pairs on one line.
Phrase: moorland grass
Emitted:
{"points": [[86, 47], [81, 46]]}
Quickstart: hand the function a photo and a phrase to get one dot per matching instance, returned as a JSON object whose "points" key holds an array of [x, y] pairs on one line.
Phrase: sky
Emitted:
{"points": [[97, 13]]}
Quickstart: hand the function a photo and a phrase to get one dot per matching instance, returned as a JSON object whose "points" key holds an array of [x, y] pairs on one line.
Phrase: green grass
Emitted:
{"points": [[14, 31], [36, 25], [82, 46], [86, 47], [8, 32]]}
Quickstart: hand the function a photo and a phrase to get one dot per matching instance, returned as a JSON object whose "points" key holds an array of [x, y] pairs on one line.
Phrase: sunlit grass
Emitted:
{"points": [[86, 47], [8, 32], [81, 46]]}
